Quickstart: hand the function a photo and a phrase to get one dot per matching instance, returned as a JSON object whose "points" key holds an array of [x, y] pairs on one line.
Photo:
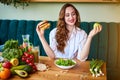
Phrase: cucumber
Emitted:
{"points": [[28, 69]]}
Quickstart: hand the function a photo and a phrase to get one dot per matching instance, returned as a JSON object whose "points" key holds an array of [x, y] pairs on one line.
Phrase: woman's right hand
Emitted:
{"points": [[39, 31]]}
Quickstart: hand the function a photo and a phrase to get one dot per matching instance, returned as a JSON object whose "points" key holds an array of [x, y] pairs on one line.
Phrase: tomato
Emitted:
{"points": [[29, 49], [28, 61], [31, 56], [26, 54], [23, 59], [34, 67], [31, 64]]}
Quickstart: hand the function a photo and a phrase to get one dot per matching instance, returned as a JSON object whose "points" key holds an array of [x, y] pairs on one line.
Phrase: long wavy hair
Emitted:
{"points": [[62, 32]]}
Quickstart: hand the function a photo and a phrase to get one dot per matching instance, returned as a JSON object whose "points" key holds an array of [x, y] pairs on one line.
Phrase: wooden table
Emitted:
{"points": [[79, 72]]}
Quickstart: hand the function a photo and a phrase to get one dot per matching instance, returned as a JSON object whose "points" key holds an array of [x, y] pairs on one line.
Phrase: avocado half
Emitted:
{"points": [[21, 73]]}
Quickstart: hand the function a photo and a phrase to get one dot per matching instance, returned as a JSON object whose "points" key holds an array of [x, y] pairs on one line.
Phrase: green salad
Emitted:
{"points": [[65, 62]]}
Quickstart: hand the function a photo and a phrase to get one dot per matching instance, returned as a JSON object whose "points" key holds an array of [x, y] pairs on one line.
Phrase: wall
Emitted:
{"points": [[100, 12], [103, 12]]}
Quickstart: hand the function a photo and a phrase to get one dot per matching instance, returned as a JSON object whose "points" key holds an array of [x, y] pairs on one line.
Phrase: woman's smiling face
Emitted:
{"points": [[70, 16]]}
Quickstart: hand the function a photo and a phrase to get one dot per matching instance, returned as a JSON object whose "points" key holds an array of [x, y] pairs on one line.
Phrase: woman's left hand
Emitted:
{"points": [[95, 30]]}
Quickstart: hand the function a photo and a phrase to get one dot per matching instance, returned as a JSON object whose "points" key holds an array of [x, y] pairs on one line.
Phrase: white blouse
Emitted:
{"points": [[74, 44]]}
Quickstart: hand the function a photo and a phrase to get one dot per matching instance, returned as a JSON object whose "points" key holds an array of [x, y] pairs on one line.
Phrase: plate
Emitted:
{"points": [[1, 59], [67, 66]]}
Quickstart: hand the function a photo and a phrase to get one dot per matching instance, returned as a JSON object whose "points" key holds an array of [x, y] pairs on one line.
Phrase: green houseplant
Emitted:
{"points": [[16, 3]]}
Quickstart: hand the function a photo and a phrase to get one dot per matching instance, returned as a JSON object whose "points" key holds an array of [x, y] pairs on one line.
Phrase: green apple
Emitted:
{"points": [[96, 25]]}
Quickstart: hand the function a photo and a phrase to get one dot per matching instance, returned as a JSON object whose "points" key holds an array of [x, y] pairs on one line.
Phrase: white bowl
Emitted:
{"points": [[1, 58], [65, 67]]}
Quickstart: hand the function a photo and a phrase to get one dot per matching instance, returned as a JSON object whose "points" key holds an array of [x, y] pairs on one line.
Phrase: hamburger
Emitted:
{"points": [[44, 25]]}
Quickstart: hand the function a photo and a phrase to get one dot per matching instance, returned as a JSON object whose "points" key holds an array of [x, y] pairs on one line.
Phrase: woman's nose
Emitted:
{"points": [[71, 16]]}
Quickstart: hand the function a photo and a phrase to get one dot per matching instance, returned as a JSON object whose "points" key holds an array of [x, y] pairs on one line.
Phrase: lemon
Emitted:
{"points": [[14, 61]]}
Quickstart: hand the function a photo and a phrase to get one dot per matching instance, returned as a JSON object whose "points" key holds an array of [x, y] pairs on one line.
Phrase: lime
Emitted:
{"points": [[14, 61]]}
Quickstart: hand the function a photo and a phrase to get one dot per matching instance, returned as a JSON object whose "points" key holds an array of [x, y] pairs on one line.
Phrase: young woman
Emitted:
{"points": [[67, 40]]}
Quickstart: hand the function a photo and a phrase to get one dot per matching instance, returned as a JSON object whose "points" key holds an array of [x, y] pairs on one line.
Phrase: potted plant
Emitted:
{"points": [[16, 3]]}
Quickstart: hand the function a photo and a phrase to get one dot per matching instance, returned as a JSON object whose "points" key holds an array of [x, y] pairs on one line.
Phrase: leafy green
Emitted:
{"points": [[11, 44], [12, 53], [65, 62], [11, 50]]}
